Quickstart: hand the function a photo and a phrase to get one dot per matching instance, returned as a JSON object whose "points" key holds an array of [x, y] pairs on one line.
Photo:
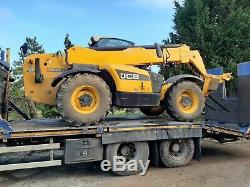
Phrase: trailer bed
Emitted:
{"points": [[57, 127], [225, 132]]}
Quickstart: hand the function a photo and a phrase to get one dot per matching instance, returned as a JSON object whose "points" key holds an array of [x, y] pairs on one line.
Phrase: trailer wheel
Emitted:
{"points": [[185, 101], [152, 110], [176, 153], [131, 151], [84, 99]]}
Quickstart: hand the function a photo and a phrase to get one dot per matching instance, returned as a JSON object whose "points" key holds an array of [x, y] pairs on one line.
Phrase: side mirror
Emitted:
{"points": [[158, 50], [24, 49]]}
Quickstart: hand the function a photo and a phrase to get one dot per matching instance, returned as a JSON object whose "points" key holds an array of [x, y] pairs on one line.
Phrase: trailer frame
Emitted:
{"points": [[87, 144]]}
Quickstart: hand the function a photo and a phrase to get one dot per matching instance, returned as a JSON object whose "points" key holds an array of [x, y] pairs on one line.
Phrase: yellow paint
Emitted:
{"points": [[130, 56], [44, 92], [164, 89], [192, 107], [81, 92], [211, 82], [126, 60], [132, 86]]}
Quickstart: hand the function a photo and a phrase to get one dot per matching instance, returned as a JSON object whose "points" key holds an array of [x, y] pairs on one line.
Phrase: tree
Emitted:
{"points": [[219, 29], [17, 91]]}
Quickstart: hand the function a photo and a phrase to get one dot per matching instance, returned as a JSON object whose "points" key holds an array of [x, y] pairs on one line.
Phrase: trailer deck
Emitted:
{"points": [[225, 132], [57, 127], [88, 143]]}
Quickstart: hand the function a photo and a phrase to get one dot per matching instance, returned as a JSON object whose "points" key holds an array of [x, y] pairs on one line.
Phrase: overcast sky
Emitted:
{"points": [[141, 21]]}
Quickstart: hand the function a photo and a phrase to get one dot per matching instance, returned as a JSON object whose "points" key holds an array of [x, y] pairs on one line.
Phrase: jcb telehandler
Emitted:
{"points": [[85, 82]]}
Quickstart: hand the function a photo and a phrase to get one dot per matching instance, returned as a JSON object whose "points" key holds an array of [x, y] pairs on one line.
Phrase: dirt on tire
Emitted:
{"points": [[66, 109], [142, 153], [171, 101], [171, 161]]}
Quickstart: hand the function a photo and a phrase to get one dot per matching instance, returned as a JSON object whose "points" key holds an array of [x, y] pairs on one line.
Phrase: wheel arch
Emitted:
{"points": [[186, 77], [105, 75], [73, 71], [170, 82]]}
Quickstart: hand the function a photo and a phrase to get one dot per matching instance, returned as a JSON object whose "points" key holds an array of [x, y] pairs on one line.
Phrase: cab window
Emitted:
{"points": [[113, 42]]}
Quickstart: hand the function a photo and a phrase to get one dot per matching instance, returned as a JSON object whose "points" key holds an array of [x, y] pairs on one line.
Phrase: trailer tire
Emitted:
{"points": [[185, 101], [135, 151], [84, 99], [152, 110], [176, 153]]}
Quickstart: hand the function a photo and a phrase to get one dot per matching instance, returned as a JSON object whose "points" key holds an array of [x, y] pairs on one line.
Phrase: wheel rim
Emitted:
{"points": [[85, 99], [177, 149], [127, 150], [188, 102]]}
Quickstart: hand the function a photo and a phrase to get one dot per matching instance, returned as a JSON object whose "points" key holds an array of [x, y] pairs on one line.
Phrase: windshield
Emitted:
{"points": [[112, 42]]}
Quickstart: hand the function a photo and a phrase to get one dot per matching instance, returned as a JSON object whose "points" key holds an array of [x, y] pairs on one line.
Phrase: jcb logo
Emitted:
{"points": [[126, 75], [129, 76]]}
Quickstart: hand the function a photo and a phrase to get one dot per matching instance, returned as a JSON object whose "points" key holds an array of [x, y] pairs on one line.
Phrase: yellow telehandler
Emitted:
{"points": [[85, 82]]}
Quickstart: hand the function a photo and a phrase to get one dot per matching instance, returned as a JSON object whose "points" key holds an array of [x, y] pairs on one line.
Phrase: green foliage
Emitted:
{"points": [[47, 111], [33, 46], [219, 29], [17, 87]]}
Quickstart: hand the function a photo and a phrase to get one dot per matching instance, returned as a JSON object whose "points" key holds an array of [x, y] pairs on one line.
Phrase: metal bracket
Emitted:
{"points": [[99, 130], [5, 126]]}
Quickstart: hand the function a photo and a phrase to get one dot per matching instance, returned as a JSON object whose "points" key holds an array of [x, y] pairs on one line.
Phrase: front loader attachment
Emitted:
{"points": [[211, 82]]}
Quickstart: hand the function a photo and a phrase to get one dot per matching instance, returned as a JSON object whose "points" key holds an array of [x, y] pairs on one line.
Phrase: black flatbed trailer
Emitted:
{"points": [[145, 129], [225, 132], [88, 144]]}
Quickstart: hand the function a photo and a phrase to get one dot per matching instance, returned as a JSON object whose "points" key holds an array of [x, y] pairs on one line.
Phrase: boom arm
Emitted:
{"points": [[183, 55]]}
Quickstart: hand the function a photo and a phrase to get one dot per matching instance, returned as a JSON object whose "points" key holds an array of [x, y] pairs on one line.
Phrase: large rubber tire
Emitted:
{"points": [[141, 153], [171, 158], [152, 110], [73, 113], [176, 108]]}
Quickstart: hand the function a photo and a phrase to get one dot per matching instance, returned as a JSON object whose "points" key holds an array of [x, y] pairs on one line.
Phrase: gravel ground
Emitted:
{"points": [[221, 165]]}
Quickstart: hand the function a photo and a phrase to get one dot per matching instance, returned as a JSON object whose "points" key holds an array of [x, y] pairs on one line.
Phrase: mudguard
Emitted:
{"points": [[175, 79], [72, 72]]}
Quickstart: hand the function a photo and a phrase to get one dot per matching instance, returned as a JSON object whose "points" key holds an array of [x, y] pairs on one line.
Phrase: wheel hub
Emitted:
{"points": [[125, 151], [186, 101], [176, 147], [128, 151], [86, 100]]}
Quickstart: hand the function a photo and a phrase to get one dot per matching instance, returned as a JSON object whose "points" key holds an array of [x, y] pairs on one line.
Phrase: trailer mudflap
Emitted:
{"points": [[83, 150]]}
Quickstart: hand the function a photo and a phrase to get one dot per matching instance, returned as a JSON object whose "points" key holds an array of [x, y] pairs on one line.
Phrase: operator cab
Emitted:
{"points": [[116, 44], [103, 42]]}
